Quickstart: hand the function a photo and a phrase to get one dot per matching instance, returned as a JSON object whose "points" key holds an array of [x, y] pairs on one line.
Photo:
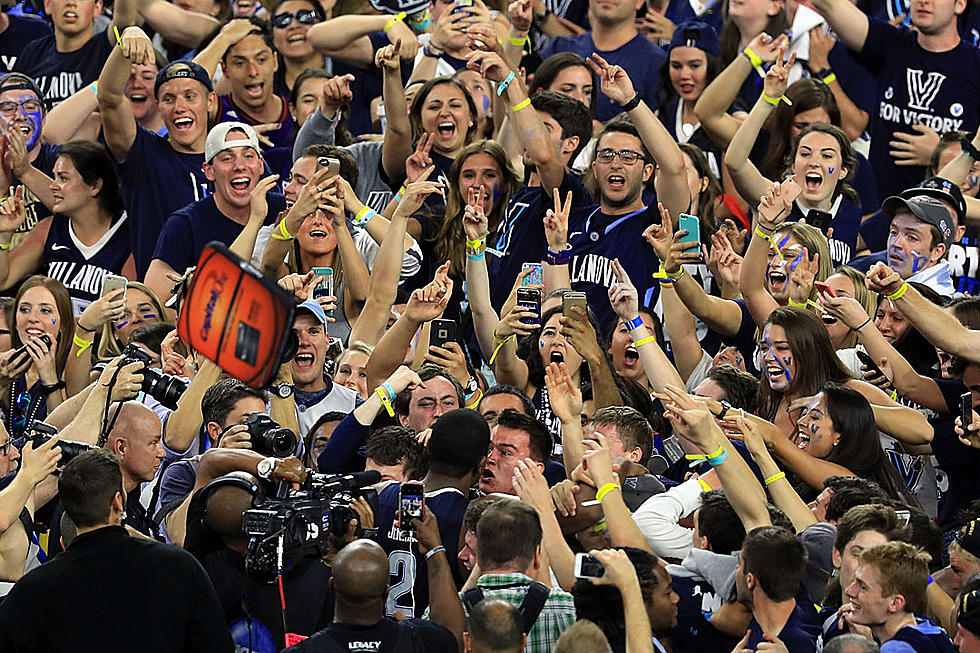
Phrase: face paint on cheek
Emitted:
{"points": [[486, 103], [795, 262], [830, 170], [35, 119], [785, 362], [121, 324], [541, 344], [918, 262]]}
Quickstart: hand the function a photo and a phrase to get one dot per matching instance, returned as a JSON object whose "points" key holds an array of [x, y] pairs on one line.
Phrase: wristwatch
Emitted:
{"points": [[265, 468], [283, 390], [725, 407]]}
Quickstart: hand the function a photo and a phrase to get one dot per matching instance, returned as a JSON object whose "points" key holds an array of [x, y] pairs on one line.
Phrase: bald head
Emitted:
{"points": [[135, 438], [135, 417], [224, 512], [360, 572], [495, 626]]}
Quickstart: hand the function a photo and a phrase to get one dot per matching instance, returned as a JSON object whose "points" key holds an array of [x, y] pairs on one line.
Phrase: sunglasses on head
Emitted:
{"points": [[303, 17]]}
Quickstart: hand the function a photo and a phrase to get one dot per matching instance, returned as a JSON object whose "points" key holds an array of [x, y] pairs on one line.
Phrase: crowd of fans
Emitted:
{"points": [[619, 326]]}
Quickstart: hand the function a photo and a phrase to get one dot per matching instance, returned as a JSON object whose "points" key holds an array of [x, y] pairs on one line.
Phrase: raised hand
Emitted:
{"points": [[13, 364], [451, 358], [386, 58], [556, 221], [801, 279], [12, 212], [723, 262], [619, 571], [614, 81], [419, 161], [258, 204], [407, 44], [416, 192], [429, 302], [689, 416], [136, 45], [520, 14], [777, 77], [449, 25], [736, 237], [623, 295], [403, 378], [776, 204], [336, 93], [882, 279], [490, 65], [766, 47], [104, 309], [563, 393], [510, 324], [660, 236], [16, 157], [531, 486], [846, 309], [580, 333], [301, 285], [475, 223], [38, 464]]}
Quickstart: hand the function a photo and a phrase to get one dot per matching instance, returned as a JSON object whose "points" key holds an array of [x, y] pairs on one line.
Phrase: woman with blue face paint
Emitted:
{"points": [[821, 159]]}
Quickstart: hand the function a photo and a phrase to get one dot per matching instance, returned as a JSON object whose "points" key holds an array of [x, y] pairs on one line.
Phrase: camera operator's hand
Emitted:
{"points": [[104, 309], [13, 365], [173, 361], [363, 521], [235, 437], [129, 382], [289, 469], [38, 464], [427, 531]]}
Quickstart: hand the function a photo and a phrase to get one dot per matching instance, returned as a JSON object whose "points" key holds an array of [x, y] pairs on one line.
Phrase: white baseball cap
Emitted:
{"points": [[217, 140]]}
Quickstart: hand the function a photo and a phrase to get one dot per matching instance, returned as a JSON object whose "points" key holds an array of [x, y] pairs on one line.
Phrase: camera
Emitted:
{"points": [[41, 433], [268, 438], [165, 388], [298, 523]]}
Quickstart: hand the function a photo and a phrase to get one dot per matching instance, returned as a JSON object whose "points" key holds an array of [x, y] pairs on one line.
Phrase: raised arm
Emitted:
{"points": [[188, 28], [124, 14], [65, 121], [118, 122], [672, 189], [848, 22], [398, 134], [532, 488], [346, 37], [19, 262], [475, 226], [773, 209], [311, 198], [748, 180]]}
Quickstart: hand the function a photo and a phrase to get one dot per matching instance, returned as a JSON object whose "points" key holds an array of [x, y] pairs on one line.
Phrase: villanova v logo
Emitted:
{"points": [[923, 91]]}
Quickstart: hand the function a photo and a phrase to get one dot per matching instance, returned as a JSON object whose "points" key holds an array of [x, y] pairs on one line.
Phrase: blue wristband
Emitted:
{"points": [[635, 323], [719, 459], [391, 391], [502, 86]]}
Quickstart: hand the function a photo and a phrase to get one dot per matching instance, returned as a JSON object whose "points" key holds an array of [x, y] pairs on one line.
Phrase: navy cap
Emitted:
{"points": [[182, 70], [925, 208], [941, 189], [695, 34]]}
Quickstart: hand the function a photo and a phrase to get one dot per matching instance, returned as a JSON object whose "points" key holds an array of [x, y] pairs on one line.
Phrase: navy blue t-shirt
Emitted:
{"points": [[520, 238], [279, 157], [857, 82], [188, 230], [923, 637], [799, 634], [156, 180], [82, 268], [694, 632], [21, 31], [845, 223], [640, 58], [941, 90], [681, 11], [596, 238], [387, 636], [409, 590], [60, 75]]}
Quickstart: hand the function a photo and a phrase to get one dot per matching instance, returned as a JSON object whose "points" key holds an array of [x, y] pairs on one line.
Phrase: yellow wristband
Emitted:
{"points": [[281, 233], [500, 343], [829, 79], [82, 344], [898, 293], [645, 341], [5, 247], [476, 402], [476, 244], [720, 450], [675, 275], [797, 304], [518, 42], [604, 490], [397, 18], [756, 61], [115, 30], [385, 400], [704, 486], [521, 105], [774, 101], [775, 477]]}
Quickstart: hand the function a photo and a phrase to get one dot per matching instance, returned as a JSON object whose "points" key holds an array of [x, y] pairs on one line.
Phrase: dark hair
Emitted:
{"points": [[220, 399], [93, 164], [730, 36], [415, 113], [622, 125], [806, 95], [458, 444], [348, 164], [329, 416], [475, 510], [719, 522], [152, 335], [603, 604], [850, 491], [741, 388], [859, 448], [342, 135], [505, 389], [527, 350], [540, 442], [508, 533], [573, 116], [87, 486], [926, 535], [706, 197], [403, 400], [777, 559], [496, 625], [549, 69], [808, 341], [260, 27], [667, 92], [848, 157], [637, 397], [631, 426], [315, 6], [912, 345], [874, 517], [392, 445]]}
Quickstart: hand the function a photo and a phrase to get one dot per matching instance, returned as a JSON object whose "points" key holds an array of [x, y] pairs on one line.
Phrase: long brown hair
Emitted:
{"points": [[450, 242], [731, 37], [708, 195], [806, 95], [66, 325]]}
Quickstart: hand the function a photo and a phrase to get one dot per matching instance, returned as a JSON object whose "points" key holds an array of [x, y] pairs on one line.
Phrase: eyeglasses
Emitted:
{"points": [[629, 157], [303, 17], [21, 403], [9, 108]]}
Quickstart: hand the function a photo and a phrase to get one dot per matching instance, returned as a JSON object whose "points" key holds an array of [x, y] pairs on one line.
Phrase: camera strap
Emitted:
{"points": [[530, 608]]}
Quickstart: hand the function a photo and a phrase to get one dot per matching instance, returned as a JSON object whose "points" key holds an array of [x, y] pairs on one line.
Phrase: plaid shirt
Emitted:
{"points": [[557, 615]]}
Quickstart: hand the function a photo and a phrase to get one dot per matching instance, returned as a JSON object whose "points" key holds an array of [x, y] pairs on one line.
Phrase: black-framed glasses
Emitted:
{"points": [[28, 105], [629, 157], [303, 17]]}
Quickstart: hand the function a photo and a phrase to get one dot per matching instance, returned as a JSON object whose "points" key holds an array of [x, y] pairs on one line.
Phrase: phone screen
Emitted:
{"points": [[966, 409], [530, 298], [411, 502], [588, 567]]}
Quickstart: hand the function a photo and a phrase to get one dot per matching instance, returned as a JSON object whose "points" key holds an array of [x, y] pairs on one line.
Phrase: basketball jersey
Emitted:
{"points": [[83, 268], [409, 591], [846, 223]]}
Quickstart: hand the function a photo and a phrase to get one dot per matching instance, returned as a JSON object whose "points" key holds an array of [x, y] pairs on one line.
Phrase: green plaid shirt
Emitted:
{"points": [[557, 615]]}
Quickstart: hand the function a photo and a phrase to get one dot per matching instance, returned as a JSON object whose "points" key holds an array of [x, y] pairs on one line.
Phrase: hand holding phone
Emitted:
{"points": [[588, 567], [411, 503], [692, 225], [824, 287], [966, 410]]}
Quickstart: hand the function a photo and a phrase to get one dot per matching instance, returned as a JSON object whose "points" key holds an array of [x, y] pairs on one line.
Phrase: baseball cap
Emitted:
{"points": [[217, 140], [312, 306], [969, 612], [925, 208], [20, 82], [943, 190], [968, 538], [695, 34], [182, 69]]}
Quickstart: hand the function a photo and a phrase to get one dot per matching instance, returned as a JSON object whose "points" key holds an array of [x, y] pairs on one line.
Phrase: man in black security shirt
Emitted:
{"points": [[108, 591], [360, 583]]}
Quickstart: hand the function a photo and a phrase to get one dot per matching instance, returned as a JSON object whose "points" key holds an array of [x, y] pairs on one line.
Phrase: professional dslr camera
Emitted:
{"points": [[165, 388], [41, 433], [297, 524], [268, 438]]}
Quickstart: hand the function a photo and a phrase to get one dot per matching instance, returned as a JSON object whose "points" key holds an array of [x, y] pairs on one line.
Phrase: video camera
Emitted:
{"points": [[298, 524], [165, 388]]}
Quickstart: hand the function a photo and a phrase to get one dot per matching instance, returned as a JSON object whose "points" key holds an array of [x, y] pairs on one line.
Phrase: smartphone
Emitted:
{"points": [[332, 165], [570, 299], [530, 298], [819, 219], [966, 409], [325, 287], [868, 362], [112, 283], [692, 225], [823, 286], [588, 567], [536, 276], [23, 348], [462, 6], [441, 332], [411, 503]]}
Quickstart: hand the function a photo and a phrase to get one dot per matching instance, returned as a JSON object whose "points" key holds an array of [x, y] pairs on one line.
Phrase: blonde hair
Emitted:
{"points": [[867, 299], [902, 569]]}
